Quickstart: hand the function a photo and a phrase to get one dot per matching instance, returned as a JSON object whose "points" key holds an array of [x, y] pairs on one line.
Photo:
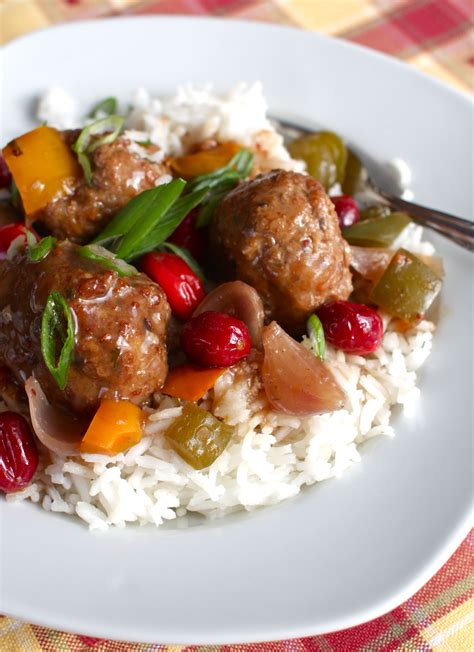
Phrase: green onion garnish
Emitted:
{"points": [[38, 251], [186, 256], [107, 106], [220, 182], [170, 222], [237, 168], [126, 218], [163, 198], [110, 127], [242, 163], [150, 218], [85, 165], [207, 211], [57, 329], [316, 336], [107, 259], [213, 179], [154, 204]]}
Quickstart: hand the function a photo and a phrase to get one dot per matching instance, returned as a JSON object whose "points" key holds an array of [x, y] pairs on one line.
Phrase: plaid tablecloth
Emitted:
{"points": [[436, 36]]}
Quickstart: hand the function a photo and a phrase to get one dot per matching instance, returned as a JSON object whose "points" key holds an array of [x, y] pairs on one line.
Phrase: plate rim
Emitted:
{"points": [[277, 635], [456, 537], [181, 18]]}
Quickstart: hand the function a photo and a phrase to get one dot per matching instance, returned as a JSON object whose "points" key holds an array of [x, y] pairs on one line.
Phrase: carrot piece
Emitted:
{"points": [[189, 382], [193, 165], [42, 166], [115, 427]]}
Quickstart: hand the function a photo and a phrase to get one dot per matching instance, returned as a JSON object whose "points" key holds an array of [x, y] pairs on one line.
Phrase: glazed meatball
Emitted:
{"points": [[118, 176], [279, 232], [120, 328]]}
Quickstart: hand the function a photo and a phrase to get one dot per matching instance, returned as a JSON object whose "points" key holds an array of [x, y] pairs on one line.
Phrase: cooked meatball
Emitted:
{"points": [[279, 232], [120, 328], [118, 175]]}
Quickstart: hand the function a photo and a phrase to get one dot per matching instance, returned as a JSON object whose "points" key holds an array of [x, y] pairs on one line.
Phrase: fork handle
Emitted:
{"points": [[456, 229]]}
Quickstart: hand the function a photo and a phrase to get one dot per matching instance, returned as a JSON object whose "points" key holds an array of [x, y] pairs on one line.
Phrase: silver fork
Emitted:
{"points": [[457, 229]]}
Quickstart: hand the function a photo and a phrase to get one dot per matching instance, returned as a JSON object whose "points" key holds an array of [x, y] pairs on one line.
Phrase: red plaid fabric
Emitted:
{"points": [[436, 36]]}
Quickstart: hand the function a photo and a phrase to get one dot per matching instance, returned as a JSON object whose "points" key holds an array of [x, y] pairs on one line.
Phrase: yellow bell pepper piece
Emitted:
{"points": [[42, 165], [116, 426], [205, 162]]}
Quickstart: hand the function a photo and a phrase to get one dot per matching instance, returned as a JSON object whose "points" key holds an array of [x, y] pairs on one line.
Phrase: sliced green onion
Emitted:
{"points": [[57, 328], [242, 163], [220, 182], [110, 127], [170, 222], [136, 210], [126, 219], [107, 259], [164, 197], [237, 168], [213, 179], [31, 240], [38, 251], [151, 217], [107, 106], [216, 195], [186, 256], [86, 166], [316, 336], [207, 211], [110, 243]]}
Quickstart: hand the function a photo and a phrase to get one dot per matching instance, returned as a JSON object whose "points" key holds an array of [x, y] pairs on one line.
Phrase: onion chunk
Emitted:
{"points": [[370, 262], [57, 430], [295, 381]]}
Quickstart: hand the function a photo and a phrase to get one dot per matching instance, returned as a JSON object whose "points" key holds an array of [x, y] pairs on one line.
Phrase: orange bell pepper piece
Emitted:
{"points": [[42, 166], [193, 165], [189, 382], [116, 426]]}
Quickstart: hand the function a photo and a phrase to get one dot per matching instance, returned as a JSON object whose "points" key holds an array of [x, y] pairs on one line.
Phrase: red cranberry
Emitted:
{"points": [[215, 339], [18, 452], [346, 209], [190, 237], [183, 289], [5, 174], [352, 327]]}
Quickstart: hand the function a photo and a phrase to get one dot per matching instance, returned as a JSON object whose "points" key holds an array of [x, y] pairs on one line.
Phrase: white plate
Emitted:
{"points": [[342, 552]]}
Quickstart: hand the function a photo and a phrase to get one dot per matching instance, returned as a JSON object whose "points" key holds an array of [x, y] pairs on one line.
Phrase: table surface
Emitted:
{"points": [[435, 36]]}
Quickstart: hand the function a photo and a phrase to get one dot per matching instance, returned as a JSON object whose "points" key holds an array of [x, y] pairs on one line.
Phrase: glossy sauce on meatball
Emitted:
{"points": [[280, 233], [119, 175], [120, 328]]}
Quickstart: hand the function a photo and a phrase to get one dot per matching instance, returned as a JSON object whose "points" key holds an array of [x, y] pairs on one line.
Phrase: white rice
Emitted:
{"points": [[190, 116], [271, 456]]}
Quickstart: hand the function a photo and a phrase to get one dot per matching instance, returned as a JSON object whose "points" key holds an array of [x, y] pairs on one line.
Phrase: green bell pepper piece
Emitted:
{"points": [[376, 232], [198, 437], [325, 156], [407, 288]]}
